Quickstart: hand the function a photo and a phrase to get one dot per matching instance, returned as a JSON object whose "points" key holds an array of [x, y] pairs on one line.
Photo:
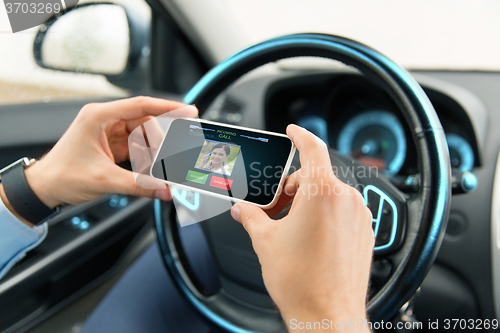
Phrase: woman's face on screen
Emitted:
{"points": [[219, 155]]}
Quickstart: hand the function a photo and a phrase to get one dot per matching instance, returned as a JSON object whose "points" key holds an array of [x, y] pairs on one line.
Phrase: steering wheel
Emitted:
{"points": [[409, 228]]}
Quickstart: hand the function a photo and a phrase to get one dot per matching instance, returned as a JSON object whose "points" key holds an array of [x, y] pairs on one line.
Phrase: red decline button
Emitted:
{"points": [[222, 183]]}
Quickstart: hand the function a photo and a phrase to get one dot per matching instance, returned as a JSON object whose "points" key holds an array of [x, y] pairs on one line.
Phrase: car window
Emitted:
{"points": [[425, 34], [23, 81]]}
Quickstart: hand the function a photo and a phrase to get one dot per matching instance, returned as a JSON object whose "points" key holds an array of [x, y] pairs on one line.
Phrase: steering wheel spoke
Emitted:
{"points": [[388, 206]]}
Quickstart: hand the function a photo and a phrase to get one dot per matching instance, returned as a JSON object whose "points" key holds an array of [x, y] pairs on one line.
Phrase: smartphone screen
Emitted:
{"points": [[233, 162]]}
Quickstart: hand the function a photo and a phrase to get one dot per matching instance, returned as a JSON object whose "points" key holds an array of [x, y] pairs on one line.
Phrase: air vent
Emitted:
{"points": [[457, 224], [231, 104], [227, 110]]}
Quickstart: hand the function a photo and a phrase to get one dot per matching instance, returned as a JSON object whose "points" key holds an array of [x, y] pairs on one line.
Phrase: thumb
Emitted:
{"points": [[250, 216], [124, 182]]}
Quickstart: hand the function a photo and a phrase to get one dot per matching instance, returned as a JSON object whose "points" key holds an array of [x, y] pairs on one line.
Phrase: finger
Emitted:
{"points": [[286, 195], [148, 182], [154, 133], [123, 182], [187, 111], [138, 107], [134, 123], [250, 216], [144, 142], [311, 148], [140, 155]]}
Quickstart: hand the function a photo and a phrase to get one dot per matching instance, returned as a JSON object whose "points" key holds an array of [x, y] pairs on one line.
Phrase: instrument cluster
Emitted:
{"points": [[357, 118]]}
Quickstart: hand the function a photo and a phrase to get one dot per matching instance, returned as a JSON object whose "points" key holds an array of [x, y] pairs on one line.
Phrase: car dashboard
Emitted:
{"points": [[357, 118]]}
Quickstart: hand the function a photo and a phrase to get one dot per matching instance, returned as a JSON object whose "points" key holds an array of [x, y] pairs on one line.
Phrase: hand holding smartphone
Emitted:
{"points": [[230, 162]]}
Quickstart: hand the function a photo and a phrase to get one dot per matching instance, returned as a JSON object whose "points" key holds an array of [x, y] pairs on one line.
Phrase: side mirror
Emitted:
{"points": [[97, 38]]}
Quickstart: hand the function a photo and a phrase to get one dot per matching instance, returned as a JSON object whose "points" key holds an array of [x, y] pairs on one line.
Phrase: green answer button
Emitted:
{"points": [[197, 177]]}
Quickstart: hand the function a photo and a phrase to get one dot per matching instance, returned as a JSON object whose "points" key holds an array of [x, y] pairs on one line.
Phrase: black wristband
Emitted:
{"points": [[21, 196]]}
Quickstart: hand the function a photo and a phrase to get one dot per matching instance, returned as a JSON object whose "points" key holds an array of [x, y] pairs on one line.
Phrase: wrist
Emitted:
{"points": [[326, 320], [326, 324], [40, 183], [7, 204]]}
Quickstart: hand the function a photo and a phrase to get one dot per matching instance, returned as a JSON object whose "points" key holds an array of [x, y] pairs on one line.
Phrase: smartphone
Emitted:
{"points": [[226, 161]]}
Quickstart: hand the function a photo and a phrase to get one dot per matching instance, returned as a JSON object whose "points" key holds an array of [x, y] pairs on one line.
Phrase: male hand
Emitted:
{"points": [[82, 165], [316, 260]]}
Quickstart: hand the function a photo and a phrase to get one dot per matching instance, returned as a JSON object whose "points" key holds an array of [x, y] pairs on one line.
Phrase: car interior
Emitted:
{"points": [[438, 260]]}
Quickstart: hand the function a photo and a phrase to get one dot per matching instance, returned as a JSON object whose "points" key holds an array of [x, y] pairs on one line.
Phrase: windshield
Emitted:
{"points": [[425, 34]]}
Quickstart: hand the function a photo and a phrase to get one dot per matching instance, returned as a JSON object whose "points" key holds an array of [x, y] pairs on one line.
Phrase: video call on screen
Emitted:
{"points": [[232, 162]]}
